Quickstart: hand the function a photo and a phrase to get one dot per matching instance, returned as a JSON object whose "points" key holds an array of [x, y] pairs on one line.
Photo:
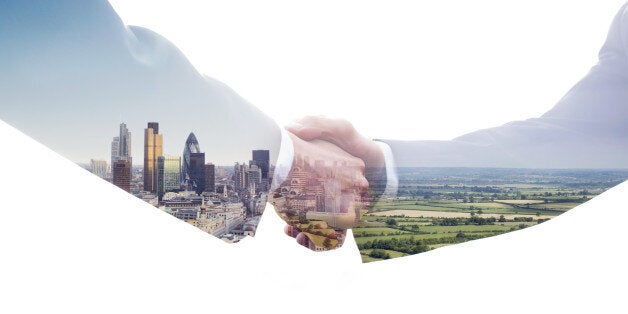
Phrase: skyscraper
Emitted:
{"points": [[125, 143], [168, 174], [253, 179], [153, 148], [121, 146], [191, 146], [210, 178], [239, 177], [122, 174], [115, 151], [261, 158], [197, 172], [99, 168]]}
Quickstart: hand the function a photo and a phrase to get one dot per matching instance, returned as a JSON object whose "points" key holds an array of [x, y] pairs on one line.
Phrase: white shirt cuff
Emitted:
{"points": [[392, 181], [284, 160]]}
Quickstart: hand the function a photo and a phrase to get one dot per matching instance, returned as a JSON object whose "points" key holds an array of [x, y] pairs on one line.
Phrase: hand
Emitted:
{"points": [[342, 134], [322, 195]]}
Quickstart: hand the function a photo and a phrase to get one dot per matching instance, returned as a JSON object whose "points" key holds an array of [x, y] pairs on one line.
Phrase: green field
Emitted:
{"points": [[436, 207], [392, 254]]}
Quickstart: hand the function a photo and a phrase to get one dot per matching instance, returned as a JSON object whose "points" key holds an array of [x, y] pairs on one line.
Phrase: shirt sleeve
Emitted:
{"points": [[284, 160], [392, 180]]}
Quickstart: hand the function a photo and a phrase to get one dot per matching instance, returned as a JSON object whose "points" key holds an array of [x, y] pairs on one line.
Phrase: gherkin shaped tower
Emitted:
{"points": [[191, 146]]}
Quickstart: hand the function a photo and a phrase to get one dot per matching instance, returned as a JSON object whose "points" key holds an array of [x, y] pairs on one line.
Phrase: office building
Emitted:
{"points": [[197, 172], [153, 148], [125, 143], [122, 174], [239, 177], [121, 146], [210, 178], [191, 146], [168, 174], [115, 151], [99, 167], [253, 179], [261, 158]]}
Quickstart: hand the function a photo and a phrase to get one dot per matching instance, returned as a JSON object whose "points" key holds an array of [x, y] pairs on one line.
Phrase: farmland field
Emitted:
{"points": [[435, 207]]}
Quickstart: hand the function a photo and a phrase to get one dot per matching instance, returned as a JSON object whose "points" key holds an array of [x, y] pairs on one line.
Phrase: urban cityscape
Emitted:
{"points": [[226, 202], [317, 206]]}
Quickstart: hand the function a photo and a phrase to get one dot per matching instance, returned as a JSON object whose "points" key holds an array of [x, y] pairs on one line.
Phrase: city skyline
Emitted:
{"points": [[225, 202], [219, 160]]}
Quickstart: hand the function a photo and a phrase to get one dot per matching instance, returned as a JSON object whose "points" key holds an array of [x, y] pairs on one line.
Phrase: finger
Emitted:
{"points": [[363, 183], [291, 231], [303, 240], [337, 131], [304, 132], [336, 240]]}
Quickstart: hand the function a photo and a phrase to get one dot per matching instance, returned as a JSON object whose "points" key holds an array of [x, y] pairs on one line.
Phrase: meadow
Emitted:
{"points": [[435, 207]]}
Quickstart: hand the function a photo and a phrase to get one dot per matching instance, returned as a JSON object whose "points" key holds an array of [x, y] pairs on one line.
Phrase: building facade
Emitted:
{"points": [[99, 167], [261, 158], [168, 174], [153, 148], [210, 178], [115, 151], [122, 174], [191, 146], [197, 172]]}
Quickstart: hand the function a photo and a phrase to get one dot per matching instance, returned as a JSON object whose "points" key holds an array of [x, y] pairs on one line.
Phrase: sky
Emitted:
{"points": [[396, 69]]}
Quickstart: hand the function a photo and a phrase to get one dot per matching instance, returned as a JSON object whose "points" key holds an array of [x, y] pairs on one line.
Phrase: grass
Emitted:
{"points": [[393, 254], [378, 230], [479, 234]]}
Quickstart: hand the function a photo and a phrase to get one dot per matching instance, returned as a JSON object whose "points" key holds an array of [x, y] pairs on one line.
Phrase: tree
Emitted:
{"points": [[502, 218], [379, 253], [391, 222]]}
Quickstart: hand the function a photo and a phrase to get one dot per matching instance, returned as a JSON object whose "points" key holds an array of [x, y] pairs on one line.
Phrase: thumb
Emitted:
{"points": [[304, 132]]}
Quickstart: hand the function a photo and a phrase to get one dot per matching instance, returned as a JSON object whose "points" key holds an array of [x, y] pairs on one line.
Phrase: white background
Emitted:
{"points": [[396, 69], [72, 243]]}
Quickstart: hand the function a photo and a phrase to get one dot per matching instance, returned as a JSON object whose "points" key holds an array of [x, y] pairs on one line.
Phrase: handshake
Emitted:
{"points": [[334, 176]]}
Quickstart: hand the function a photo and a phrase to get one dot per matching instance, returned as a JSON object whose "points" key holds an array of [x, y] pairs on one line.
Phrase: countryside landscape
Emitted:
{"points": [[437, 207]]}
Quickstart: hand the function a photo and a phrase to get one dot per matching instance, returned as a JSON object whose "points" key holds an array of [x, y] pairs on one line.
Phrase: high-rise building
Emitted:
{"points": [[125, 143], [115, 151], [197, 172], [153, 148], [168, 174], [253, 179], [154, 126], [191, 146], [210, 178], [261, 158], [121, 146], [99, 167], [239, 177], [122, 174]]}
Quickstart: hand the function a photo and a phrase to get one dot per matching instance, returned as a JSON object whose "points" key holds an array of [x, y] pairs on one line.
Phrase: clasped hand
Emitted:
{"points": [[326, 189], [322, 195]]}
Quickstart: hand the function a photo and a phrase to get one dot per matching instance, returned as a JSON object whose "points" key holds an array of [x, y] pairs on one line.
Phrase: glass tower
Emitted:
{"points": [[168, 168], [153, 148]]}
